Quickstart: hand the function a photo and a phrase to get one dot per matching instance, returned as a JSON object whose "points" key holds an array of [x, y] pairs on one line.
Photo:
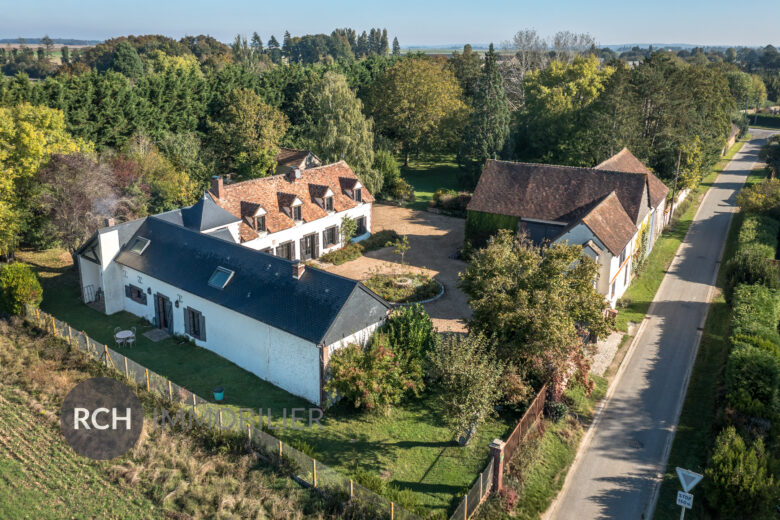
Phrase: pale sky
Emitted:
{"points": [[427, 22]]}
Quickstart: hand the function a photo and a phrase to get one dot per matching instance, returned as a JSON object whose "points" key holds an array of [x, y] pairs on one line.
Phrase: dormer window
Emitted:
{"points": [[358, 195], [296, 212], [259, 223], [328, 203]]}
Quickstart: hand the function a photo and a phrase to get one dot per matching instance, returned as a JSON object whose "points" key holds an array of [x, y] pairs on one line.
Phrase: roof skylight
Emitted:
{"points": [[220, 277], [139, 245]]}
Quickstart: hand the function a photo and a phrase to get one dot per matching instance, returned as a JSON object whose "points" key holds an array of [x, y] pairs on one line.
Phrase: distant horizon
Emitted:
{"points": [[414, 23]]}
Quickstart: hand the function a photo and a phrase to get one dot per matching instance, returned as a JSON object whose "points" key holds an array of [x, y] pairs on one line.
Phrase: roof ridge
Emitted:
{"points": [[589, 169]]}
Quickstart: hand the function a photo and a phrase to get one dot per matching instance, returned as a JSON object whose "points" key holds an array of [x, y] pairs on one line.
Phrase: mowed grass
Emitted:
{"points": [[645, 284], [426, 175], [42, 477], [410, 448], [694, 434]]}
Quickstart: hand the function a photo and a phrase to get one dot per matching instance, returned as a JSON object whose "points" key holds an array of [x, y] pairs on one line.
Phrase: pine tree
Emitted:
{"points": [[488, 128], [65, 55], [373, 42], [396, 47], [257, 43], [273, 43], [286, 44], [362, 45], [384, 46]]}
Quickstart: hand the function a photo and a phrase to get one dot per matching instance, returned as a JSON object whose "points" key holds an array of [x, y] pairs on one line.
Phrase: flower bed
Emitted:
{"points": [[356, 249], [404, 288]]}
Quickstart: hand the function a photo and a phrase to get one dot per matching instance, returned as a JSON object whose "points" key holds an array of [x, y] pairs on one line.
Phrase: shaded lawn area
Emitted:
{"points": [[647, 280], [694, 435], [428, 175], [410, 448]]}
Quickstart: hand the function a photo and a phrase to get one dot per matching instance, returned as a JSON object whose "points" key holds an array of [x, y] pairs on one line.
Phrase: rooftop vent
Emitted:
{"points": [[139, 245], [220, 277]]}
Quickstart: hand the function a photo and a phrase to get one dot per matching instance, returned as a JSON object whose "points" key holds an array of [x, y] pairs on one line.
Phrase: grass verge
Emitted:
{"points": [[694, 434], [538, 468], [642, 290]]}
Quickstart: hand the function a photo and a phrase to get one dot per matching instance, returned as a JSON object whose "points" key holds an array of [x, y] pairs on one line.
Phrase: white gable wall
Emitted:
{"points": [[273, 240], [283, 359]]}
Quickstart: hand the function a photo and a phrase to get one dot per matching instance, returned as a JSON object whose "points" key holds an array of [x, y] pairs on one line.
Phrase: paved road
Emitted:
{"points": [[618, 467]]}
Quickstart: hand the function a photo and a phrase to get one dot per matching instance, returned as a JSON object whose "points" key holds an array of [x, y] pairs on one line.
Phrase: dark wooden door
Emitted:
{"points": [[164, 312]]}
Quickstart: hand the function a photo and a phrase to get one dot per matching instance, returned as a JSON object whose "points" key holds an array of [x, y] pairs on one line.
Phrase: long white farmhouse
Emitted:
{"points": [[185, 272]]}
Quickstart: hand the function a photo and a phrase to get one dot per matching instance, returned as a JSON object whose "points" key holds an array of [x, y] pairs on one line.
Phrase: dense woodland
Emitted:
{"points": [[138, 124]]}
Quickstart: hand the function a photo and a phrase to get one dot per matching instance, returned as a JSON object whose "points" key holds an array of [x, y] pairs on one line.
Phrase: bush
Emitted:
{"points": [[755, 312], [371, 378], [421, 288], [555, 410], [762, 198], [443, 194], [19, 288], [747, 340], [760, 232], [378, 240], [752, 382], [411, 335], [345, 254], [737, 483], [749, 266]]}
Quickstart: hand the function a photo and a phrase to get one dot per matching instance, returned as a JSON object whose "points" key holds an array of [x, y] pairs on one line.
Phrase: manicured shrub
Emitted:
{"points": [[19, 288], [752, 382], [747, 340], [371, 378], [755, 312], [737, 483], [378, 240], [345, 254], [749, 266], [761, 232]]}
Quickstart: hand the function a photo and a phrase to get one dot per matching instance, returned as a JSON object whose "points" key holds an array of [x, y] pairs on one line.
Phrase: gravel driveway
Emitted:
{"points": [[433, 240]]}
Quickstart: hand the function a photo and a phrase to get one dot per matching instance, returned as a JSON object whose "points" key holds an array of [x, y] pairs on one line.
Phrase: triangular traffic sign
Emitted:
{"points": [[688, 478]]}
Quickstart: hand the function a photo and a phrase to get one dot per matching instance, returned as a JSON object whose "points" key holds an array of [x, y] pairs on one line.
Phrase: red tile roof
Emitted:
{"points": [[611, 224], [292, 157], [625, 161], [275, 192]]}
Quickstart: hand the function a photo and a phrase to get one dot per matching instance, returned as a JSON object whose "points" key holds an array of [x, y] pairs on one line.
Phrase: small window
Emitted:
{"points": [[328, 203], [361, 226], [260, 223], [139, 245], [359, 195], [296, 211], [625, 275], [195, 323], [623, 255], [220, 278], [136, 294], [286, 250], [330, 236]]}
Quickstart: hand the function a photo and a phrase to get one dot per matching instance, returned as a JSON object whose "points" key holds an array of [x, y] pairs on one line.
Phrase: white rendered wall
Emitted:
{"points": [[287, 361]]}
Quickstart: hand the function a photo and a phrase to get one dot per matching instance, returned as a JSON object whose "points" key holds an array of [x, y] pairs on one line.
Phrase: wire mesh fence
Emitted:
{"points": [[307, 469]]}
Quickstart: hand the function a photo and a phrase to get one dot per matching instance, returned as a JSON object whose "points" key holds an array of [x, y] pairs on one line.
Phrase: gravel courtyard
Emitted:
{"points": [[434, 239]]}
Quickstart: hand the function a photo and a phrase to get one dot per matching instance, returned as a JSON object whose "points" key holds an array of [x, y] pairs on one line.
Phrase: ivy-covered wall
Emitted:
{"points": [[481, 226]]}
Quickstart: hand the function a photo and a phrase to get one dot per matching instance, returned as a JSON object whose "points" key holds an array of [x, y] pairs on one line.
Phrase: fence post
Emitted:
{"points": [[70, 342], [53, 326], [481, 490], [249, 432], [170, 391], [105, 352], [351, 490], [466, 507], [497, 452], [314, 465], [86, 340], [127, 373], [220, 417], [194, 404], [147, 379], [392, 511], [280, 447]]}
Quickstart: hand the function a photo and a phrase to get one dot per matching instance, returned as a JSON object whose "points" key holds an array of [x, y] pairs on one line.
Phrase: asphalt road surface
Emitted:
{"points": [[618, 468]]}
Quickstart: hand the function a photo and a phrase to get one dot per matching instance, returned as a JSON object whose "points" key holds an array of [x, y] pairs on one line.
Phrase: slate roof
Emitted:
{"points": [[625, 161], [201, 216], [554, 193], [276, 191], [320, 307], [610, 223]]}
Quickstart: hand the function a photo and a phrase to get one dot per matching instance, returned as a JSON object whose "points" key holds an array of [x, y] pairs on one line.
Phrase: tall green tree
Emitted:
{"points": [[396, 47], [535, 302], [418, 103], [488, 128], [245, 134], [340, 130], [126, 61], [467, 68]]}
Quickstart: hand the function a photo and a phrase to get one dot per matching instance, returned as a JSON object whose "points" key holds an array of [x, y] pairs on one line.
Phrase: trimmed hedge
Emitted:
{"points": [[755, 313], [761, 233], [481, 226], [770, 120], [752, 381]]}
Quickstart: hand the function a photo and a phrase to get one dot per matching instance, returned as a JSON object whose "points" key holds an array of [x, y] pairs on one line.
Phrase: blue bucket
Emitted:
{"points": [[219, 393]]}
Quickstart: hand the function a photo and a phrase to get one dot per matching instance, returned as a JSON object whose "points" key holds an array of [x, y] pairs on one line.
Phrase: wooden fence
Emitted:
{"points": [[530, 419], [308, 471]]}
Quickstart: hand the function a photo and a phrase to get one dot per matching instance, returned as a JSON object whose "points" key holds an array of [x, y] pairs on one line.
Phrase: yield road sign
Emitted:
{"points": [[684, 499], [688, 478]]}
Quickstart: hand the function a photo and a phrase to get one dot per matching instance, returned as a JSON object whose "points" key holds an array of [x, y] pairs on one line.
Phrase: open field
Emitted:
{"points": [[42, 477], [411, 448]]}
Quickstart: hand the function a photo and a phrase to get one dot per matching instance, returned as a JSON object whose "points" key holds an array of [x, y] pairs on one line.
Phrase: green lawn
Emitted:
{"points": [[642, 290], [694, 433], [411, 448], [428, 175]]}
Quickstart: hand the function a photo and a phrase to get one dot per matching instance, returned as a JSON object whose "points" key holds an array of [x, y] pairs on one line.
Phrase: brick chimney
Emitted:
{"points": [[110, 222], [217, 187], [298, 268]]}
